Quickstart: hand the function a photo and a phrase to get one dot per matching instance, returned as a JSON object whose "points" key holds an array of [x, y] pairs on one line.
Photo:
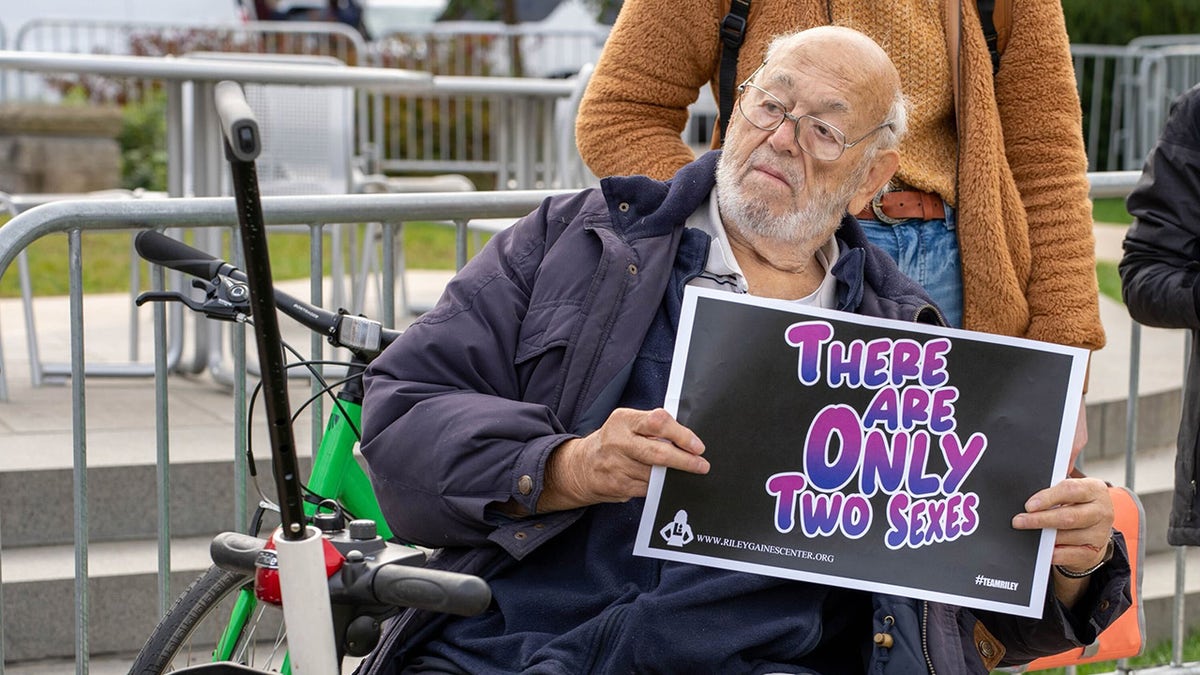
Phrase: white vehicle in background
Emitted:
{"points": [[383, 17]]}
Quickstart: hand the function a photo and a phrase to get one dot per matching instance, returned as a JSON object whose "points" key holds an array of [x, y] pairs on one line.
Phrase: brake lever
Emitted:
{"points": [[224, 299]]}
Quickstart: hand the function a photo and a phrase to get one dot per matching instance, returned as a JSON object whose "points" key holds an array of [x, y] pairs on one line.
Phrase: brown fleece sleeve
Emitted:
{"points": [[1040, 113], [657, 57]]}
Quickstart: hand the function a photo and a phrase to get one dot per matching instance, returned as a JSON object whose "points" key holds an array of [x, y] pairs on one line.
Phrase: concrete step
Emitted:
{"points": [[123, 607], [1156, 425], [1157, 375], [1160, 585], [1153, 481], [37, 506]]}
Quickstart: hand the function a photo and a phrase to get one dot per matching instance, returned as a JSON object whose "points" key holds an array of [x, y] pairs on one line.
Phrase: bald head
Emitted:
{"points": [[815, 139], [853, 61]]}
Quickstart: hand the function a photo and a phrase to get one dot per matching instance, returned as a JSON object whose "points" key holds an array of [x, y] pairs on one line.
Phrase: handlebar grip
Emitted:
{"points": [[437, 590], [162, 250], [238, 123], [235, 551]]}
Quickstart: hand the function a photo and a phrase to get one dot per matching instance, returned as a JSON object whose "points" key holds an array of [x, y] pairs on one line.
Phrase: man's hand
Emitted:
{"points": [[1082, 512], [612, 464]]}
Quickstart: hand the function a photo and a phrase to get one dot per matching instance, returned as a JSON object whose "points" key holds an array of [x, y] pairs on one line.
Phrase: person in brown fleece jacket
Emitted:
{"points": [[1003, 172]]}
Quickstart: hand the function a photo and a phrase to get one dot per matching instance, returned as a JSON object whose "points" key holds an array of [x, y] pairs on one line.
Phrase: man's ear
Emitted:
{"points": [[883, 167]]}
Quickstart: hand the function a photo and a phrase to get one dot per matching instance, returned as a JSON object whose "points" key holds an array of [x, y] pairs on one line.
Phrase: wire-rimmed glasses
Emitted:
{"points": [[815, 136]]}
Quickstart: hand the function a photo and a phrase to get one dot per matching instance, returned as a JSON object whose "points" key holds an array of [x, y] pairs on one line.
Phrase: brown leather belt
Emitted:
{"points": [[901, 205]]}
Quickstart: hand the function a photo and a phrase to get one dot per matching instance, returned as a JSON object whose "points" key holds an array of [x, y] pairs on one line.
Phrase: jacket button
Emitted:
{"points": [[623, 207], [525, 485], [986, 649], [632, 268], [1103, 605], [520, 535], [884, 640]]}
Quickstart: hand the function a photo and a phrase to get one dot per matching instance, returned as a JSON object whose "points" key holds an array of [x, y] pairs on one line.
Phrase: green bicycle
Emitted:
{"points": [[220, 617]]}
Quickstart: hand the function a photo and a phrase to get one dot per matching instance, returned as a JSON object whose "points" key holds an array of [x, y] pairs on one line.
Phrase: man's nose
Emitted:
{"points": [[783, 139]]}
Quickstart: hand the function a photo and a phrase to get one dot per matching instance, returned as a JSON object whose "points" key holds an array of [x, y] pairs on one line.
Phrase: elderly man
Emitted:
{"points": [[514, 426]]}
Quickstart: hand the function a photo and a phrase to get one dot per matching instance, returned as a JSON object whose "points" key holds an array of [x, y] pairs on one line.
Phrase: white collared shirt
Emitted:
{"points": [[722, 271]]}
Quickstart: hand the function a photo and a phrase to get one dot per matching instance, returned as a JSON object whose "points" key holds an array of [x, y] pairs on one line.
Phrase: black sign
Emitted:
{"points": [[863, 452]]}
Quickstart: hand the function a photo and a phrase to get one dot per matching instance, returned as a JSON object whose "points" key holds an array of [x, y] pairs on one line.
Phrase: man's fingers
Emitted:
{"points": [[1080, 509], [658, 423], [660, 452], [1065, 517], [1069, 491]]}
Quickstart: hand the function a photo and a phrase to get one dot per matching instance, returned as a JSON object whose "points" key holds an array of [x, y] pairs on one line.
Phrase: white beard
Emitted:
{"points": [[815, 220]]}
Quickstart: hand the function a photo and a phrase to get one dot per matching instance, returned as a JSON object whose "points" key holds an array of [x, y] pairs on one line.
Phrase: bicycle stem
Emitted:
{"points": [[301, 553]]}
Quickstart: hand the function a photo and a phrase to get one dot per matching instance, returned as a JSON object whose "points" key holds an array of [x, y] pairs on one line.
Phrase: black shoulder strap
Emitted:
{"points": [[986, 9], [733, 31]]}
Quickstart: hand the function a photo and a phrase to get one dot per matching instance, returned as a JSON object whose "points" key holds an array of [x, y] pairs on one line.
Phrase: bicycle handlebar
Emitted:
{"points": [[393, 584], [162, 250], [435, 590]]}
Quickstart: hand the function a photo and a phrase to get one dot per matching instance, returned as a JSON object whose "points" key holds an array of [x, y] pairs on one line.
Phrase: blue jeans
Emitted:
{"points": [[927, 252]]}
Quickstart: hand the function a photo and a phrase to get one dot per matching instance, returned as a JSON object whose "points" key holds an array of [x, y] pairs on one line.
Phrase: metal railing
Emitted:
{"points": [[1123, 98], [3, 75], [466, 125], [75, 217], [1124, 92]]}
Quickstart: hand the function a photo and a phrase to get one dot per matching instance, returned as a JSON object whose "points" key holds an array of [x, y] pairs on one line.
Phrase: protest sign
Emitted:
{"points": [[862, 452]]}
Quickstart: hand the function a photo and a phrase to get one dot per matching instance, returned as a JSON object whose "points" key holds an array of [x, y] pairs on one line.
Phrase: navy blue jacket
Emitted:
{"points": [[532, 343]]}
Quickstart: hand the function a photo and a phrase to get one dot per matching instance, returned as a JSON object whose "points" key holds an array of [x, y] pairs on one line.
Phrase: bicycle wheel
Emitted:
{"points": [[189, 631]]}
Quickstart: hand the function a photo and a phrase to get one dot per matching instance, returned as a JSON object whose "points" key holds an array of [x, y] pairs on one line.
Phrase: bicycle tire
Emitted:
{"points": [[202, 601]]}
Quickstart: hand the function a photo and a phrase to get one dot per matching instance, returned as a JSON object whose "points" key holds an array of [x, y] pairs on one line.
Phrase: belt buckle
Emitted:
{"points": [[877, 209]]}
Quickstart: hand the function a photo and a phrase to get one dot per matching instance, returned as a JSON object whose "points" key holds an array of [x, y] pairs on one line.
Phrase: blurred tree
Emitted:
{"points": [[1116, 22]]}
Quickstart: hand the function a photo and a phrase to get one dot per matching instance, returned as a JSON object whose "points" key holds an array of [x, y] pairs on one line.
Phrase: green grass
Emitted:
{"points": [[1110, 211], [1109, 279], [107, 258]]}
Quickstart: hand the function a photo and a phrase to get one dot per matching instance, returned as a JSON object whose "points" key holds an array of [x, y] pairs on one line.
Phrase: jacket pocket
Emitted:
{"points": [[546, 327]]}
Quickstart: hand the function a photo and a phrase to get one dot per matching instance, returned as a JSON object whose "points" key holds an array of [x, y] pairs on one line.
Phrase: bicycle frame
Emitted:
{"points": [[335, 475]]}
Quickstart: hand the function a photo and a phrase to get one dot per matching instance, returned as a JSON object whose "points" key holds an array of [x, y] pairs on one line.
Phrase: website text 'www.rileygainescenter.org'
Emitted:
{"points": [[764, 548]]}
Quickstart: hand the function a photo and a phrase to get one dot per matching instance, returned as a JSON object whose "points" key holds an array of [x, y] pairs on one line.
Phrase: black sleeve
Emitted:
{"points": [[1162, 247]]}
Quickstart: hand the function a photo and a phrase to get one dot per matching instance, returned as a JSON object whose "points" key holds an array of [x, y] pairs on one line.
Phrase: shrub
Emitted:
{"points": [[143, 140]]}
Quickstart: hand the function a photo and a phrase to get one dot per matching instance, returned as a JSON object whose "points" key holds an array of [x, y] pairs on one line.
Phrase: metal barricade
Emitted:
{"points": [[80, 36], [469, 126], [470, 123], [3, 75], [39, 370], [1166, 72], [1125, 91], [74, 217], [1106, 79]]}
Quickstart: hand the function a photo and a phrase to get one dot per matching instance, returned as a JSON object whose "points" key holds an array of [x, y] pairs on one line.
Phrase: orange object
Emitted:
{"points": [[1126, 636]]}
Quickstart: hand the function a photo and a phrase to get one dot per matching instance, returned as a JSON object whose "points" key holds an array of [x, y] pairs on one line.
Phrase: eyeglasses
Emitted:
{"points": [[816, 137]]}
